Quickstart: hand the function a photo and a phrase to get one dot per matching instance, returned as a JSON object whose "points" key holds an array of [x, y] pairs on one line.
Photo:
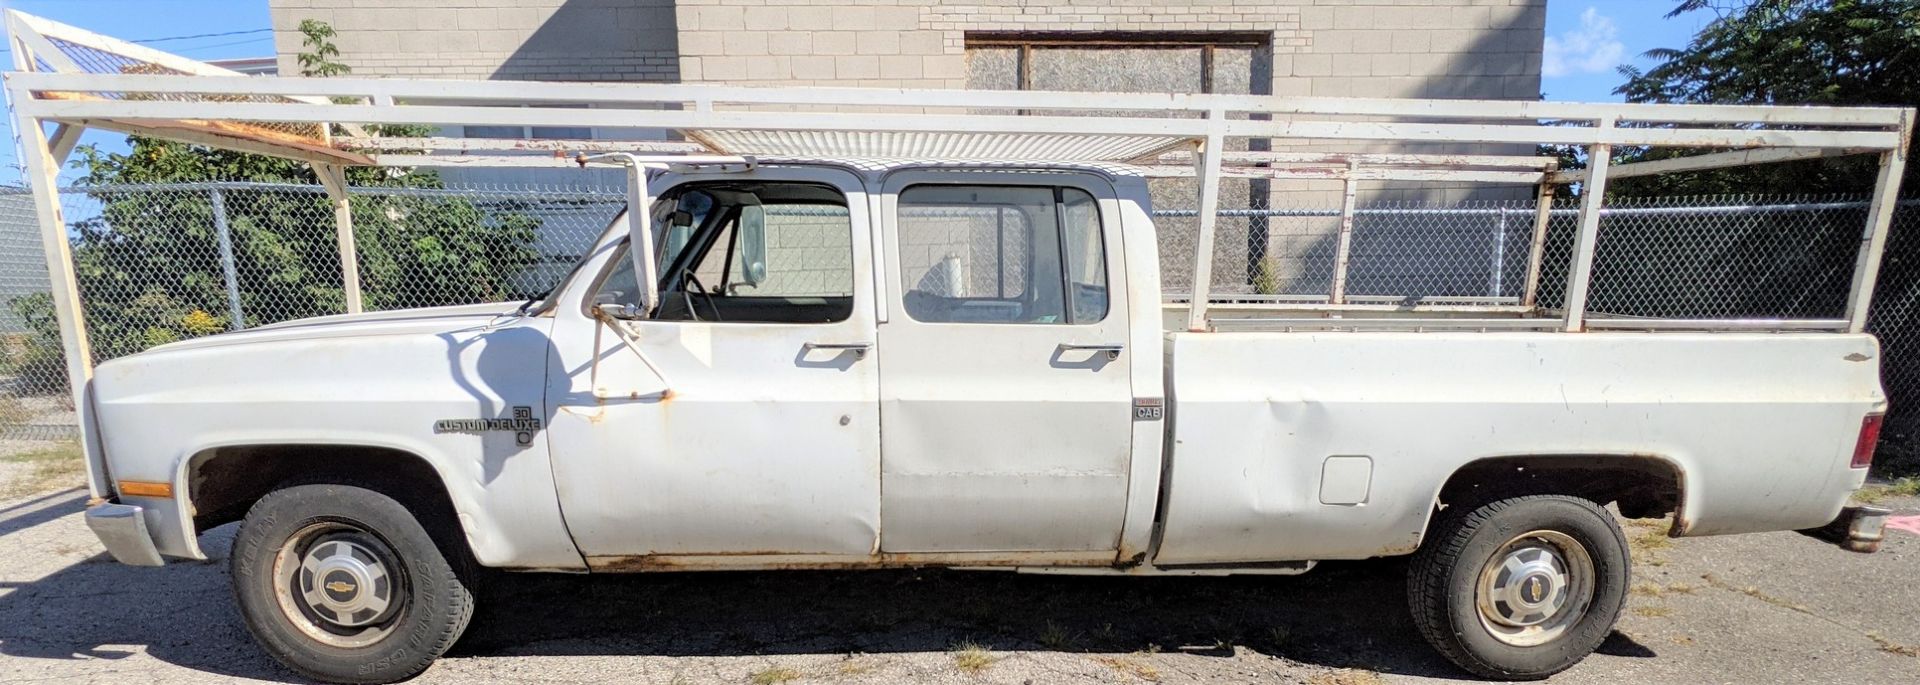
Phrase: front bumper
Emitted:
{"points": [[122, 528]]}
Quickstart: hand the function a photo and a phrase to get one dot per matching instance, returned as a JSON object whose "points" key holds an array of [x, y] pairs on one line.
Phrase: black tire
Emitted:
{"points": [[427, 606], [1445, 585]]}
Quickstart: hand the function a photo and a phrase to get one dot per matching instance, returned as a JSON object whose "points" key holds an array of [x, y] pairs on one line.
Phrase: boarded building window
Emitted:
{"points": [[1232, 63]]}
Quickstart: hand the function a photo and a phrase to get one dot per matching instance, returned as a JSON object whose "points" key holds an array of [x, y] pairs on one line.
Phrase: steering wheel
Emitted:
{"points": [[694, 285]]}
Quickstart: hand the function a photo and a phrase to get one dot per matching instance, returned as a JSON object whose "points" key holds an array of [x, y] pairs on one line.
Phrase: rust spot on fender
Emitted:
{"points": [[1400, 550]]}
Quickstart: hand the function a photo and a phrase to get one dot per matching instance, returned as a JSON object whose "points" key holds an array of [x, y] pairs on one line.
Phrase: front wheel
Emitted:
{"points": [[1521, 588], [342, 584]]}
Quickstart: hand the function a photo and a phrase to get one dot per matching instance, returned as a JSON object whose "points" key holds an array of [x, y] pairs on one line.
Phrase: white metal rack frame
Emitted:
{"points": [[73, 80]]}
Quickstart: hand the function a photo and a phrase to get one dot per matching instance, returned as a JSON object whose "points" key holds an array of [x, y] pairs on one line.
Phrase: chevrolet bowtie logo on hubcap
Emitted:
{"points": [[340, 586], [1534, 589]]}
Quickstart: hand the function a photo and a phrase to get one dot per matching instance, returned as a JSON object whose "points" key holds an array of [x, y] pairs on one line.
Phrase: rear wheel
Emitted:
{"points": [[342, 584], [1521, 588]]}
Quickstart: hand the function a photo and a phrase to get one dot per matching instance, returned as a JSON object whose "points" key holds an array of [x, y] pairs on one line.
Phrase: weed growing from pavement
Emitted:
{"points": [[774, 676], [1645, 546], [972, 657], [1130, 666], [1347, 676], [1279, 636], [1892, 647], [1757, 593], [1652, 611], [854, 664], [1057, 638], [1658, 590], [1651, 540]]}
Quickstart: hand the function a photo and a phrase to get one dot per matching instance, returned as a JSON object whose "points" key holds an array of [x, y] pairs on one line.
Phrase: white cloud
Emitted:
{"points": [[1593, 48]]}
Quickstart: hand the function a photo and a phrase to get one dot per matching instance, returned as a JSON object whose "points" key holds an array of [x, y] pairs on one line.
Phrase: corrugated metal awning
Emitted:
{"points": [[1049, 147]]}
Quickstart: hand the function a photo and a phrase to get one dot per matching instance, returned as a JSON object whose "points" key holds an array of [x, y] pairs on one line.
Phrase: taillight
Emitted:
{"points": [[1869, 438]]}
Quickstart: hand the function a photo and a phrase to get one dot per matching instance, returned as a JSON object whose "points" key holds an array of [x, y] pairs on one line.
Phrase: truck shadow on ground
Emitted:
{"points": [[1342, 615], [1347, 615]]}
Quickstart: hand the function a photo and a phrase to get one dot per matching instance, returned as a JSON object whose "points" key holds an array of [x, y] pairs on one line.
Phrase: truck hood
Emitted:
{"points": [[398, 321]]}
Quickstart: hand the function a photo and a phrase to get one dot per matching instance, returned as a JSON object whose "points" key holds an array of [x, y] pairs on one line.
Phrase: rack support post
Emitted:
{"points": [[1206, 160], [1542, 218], [334, 178], [1592, 196], [1343, 245], [1873, 242], [43, 176]]}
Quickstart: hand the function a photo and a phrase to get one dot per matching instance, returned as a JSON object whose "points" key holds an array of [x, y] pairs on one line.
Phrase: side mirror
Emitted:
{"points": [[753, 244], [622, 311]]}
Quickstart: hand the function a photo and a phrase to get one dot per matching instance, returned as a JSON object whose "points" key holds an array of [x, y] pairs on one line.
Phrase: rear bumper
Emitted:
{"points": [[1859, 528], [122, 528]]}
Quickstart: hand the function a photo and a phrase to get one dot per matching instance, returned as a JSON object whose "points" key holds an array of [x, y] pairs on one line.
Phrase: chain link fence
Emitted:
{"points": [[158, 263], [165, 262], [1462, 251]]}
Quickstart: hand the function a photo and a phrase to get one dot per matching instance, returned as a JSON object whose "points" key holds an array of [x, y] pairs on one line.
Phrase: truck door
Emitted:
{"points": [[1005, 396], [766, 438]]}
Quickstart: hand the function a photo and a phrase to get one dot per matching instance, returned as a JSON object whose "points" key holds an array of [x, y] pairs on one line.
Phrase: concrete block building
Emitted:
{"points": [[1365, 48], [1478, 49]]}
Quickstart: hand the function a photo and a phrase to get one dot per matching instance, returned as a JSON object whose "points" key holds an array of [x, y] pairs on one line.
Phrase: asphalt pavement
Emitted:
{"points": [[1770, 608]]}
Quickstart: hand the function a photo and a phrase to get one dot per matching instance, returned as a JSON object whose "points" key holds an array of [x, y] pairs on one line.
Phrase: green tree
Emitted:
{"points": [[318, 57], [148, 263], [1783, 52]]}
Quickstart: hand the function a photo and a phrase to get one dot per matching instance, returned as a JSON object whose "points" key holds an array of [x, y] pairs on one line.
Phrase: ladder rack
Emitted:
{"points": [[77, 80]]}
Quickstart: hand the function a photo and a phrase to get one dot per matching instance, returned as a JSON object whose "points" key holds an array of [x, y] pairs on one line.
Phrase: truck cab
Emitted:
{"points": [[955, 352]]}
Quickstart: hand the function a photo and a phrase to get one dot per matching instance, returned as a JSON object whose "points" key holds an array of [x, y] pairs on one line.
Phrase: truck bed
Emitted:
{"points": [[1333, 445]]}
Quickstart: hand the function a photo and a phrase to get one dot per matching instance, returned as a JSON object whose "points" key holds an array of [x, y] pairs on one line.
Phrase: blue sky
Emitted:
{"points": [[147, 19], [1585, 39]]}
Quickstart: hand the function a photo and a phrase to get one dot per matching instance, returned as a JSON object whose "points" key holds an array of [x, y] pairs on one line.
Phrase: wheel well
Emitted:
{"points": [[224, 482], [1643, 486]]}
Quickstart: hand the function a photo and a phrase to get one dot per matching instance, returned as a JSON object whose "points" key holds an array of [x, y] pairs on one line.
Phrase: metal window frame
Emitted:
{"points": [[207, 105], [1025, 42]]}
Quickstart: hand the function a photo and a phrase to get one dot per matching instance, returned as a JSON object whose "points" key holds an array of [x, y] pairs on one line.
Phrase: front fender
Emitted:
{"points": [[395, 387]]}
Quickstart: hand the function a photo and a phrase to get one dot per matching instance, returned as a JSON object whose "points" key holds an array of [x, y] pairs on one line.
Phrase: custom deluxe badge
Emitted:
{"points": [[523, 424]]}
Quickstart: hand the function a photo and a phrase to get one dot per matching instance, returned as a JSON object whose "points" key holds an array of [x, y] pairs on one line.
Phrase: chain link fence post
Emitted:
{"points": [[237, 317]]}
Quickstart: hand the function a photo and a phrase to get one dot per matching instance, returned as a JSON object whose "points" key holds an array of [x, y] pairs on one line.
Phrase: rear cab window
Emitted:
{"points": [[1001, 254]]}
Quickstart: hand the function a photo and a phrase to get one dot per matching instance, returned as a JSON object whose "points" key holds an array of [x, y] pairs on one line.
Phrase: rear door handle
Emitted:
{"points": [[1113, 351], [859, 349]]}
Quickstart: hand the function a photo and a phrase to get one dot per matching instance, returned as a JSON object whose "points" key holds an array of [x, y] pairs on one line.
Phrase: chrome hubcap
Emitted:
{"points": [[338, 584], [344, 583], [1535, 587]]}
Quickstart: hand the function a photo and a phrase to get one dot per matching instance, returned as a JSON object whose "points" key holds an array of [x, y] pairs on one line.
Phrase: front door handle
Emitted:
{"points": [[1113, 351], [859, 349]]}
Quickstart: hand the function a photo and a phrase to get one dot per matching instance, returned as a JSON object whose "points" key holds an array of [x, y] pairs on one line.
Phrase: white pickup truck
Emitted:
{"points": [[864, 365]]}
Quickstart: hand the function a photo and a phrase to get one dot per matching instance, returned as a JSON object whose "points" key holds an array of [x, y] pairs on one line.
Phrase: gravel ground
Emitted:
{"points": [[1745, 609]]}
